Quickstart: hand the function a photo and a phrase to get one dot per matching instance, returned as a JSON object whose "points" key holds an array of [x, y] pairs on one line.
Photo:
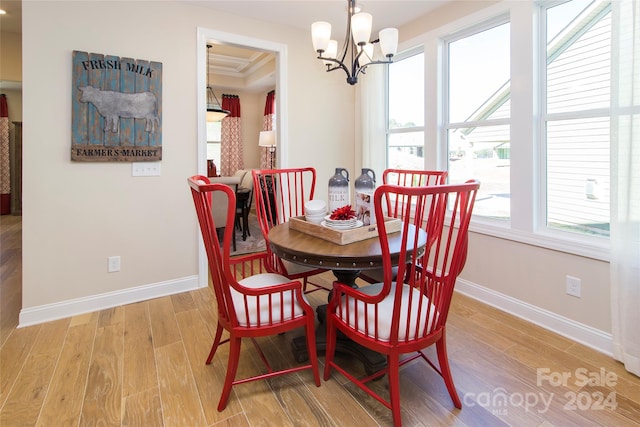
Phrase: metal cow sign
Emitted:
{"points": [[117, 109]]}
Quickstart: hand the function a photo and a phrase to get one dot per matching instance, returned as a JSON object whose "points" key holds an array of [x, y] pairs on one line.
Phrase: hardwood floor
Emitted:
{"points": [[143, 365]]}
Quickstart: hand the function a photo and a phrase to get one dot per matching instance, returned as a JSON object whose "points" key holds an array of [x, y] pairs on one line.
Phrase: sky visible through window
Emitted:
{"points": [[406, 92], [406, 86]]}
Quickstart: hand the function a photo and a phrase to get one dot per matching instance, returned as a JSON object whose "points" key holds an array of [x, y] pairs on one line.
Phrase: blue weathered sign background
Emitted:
{"points": [[116, 119]]}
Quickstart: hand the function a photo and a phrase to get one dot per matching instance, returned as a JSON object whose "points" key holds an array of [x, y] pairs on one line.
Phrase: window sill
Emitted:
{"points": [[596, 247]]}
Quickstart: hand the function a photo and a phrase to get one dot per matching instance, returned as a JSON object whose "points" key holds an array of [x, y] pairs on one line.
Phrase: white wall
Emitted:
{"points": [[76, 215], [10, 64]]}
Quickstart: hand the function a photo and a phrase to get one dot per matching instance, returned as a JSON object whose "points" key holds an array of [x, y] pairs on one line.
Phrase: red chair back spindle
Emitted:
{"points": [[280, 195]]}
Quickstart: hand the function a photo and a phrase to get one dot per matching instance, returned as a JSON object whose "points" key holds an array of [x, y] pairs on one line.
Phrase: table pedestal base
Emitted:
{"points": [[372, 361]]}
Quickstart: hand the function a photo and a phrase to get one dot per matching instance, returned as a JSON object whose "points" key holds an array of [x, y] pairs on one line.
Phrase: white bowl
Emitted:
{"points": [[315, 207], [314, 219]]}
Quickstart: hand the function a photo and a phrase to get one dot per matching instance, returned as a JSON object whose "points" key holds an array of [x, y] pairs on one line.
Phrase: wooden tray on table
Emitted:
{"points": [[343, 237]]}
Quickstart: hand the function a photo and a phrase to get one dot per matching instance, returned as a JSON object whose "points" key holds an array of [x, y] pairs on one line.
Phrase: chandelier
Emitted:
{"points": [[357, 52], [215, 113]]}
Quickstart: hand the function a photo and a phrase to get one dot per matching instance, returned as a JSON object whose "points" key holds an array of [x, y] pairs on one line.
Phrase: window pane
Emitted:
{"points": [[578, 175], [483, 153], [406, 92], [213, 141], [479, 73], [214, 131], [406, 150], [479, 90], [577, 147], [578, 57]]}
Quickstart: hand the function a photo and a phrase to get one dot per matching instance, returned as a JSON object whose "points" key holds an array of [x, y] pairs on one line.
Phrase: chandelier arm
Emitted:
{"points": [[362, 69], [339, 65], [355, 70]]}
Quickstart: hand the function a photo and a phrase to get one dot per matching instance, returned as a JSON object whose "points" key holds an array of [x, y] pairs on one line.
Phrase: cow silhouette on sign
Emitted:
{"points": [[112, 105]]}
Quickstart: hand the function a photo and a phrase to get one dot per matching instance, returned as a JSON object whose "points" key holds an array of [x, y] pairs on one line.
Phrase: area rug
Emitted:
{"points": [[255, 241]]}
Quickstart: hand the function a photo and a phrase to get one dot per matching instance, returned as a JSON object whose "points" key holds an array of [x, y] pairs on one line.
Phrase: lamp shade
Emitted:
{"points": [[216, 114], [367, 55], [267, 138], [389, 41], [361, 27], [332, 51], [320, 35]]}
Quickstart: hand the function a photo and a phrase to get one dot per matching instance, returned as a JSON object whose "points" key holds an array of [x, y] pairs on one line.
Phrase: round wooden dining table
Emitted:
{"points": [[346, 262]]}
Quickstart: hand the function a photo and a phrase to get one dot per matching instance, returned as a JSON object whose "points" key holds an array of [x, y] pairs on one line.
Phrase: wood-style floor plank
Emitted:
{"points": [[181, 405], [13, 355], [63, 403], [139, 359], [103, 396], [163, 322], [10, 274], [30, 388], [294, 394], [260, 404], [209, 380], [143, 409]]}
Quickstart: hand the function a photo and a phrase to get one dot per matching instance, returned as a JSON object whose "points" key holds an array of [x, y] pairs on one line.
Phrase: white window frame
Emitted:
{"points": [[526, 149]]}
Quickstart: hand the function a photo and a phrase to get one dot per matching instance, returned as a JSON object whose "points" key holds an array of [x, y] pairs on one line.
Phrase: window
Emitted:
{"points": [[576, 112], [405, 125], [520, 96], [213, 141], [477, 119]]}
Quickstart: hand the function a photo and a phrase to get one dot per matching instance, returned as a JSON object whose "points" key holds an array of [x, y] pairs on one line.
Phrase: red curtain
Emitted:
{"points": [[231, 138], [270, 105], [267, 124], [5, 168], [231, 103]]}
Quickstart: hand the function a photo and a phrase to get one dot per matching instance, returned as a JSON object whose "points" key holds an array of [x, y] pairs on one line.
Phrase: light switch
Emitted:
{"points": [[145, 169]]}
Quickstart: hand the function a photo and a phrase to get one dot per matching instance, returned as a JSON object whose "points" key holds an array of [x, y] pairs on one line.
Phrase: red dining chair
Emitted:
{"points": [[394, 318], [396, 205], [281, 194], [251, 302]]}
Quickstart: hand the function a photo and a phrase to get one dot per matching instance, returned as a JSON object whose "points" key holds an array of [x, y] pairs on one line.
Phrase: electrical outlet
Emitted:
{"points": [[113, 264], [574, 286]]}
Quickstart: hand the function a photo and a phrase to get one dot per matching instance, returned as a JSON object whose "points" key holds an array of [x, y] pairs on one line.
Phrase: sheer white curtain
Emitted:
{"points": [[625, 209], [372, 118]]}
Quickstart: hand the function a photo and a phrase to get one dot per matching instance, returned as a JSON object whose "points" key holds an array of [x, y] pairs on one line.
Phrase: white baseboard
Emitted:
{"points": [[584, 334], [60, 310]]}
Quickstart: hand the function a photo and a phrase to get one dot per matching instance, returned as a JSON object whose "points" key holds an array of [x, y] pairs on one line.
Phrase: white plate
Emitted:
{"points": [[340, 221], [343, 226]]}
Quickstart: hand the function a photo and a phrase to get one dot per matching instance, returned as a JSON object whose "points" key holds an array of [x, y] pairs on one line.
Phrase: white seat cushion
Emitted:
{"points": [[262, 281], [385, 308]]}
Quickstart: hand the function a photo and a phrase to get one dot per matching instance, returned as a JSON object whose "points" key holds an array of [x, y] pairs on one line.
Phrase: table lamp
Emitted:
{"points": [[268, 139]]}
